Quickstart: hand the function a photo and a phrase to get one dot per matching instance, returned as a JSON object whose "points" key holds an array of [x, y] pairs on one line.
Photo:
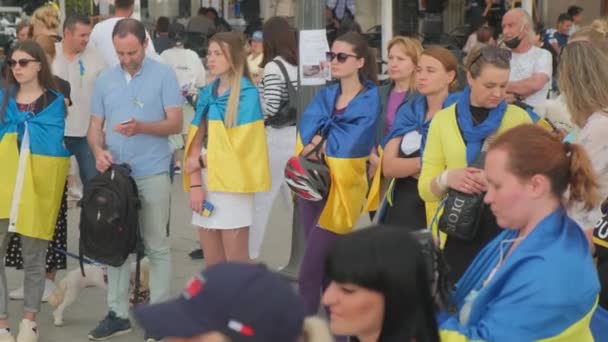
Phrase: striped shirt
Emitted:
{"points": [[274, 87]]}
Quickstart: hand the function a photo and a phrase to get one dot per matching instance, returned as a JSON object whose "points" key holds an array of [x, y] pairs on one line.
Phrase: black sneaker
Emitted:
{"points": [[109, 327], [197, 254]]}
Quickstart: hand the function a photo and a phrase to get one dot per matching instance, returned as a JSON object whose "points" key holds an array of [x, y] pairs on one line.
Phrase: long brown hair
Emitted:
{"points": [[45, 77], [532, 150], [369, 71], [233, 47], [279, 40]]}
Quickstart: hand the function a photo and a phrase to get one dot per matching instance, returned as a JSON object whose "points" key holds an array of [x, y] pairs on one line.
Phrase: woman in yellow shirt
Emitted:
{"points": [[455, 139]]}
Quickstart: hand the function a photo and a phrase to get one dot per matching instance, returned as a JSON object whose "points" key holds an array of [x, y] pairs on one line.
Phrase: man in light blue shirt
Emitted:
{"points": [[139, 104]]}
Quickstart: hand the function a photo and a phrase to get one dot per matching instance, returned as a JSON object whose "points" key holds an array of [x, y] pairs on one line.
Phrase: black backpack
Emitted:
{"points": [[109, 219], [288, 112]]}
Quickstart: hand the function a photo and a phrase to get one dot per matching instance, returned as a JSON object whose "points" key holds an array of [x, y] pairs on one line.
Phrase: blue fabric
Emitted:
{"points": [[349, 135], [152, 89], [545, 285], [45, 128], [214, 107], [410, 117], [474, 135]]}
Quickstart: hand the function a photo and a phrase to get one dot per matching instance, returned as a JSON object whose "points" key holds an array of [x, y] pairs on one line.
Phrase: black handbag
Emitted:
{"points": [[462, 212], [288, 113]]}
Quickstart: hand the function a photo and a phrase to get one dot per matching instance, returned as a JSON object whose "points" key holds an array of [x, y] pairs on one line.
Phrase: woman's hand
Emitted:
{"points": [[374, 160], [193, 165], [197, 197], [469, 180]]}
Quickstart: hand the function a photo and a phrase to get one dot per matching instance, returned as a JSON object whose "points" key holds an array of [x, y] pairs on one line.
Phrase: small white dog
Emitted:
{"points": [[69, 287]]}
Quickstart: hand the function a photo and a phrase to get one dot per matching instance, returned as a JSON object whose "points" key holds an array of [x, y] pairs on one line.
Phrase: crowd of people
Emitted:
{"points": [[489, 200]]}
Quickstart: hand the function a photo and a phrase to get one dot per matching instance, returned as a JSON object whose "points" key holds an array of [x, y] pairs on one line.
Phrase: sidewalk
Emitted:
{"points": [[91, 306]]}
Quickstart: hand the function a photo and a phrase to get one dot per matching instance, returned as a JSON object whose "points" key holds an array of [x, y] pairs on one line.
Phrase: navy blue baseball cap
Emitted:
{"points": [[245, 302]]}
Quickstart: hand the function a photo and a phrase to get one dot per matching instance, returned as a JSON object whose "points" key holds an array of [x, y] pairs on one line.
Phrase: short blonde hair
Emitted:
{"points": [[584, 84], [45, 16], [411, 47], [48, 45]]}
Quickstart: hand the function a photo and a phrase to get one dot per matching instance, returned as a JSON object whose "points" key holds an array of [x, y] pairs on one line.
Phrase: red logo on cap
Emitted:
{"points": [[194, 286], [241, 328]]}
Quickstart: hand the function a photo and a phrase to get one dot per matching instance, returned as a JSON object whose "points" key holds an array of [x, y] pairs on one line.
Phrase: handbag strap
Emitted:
{"points": [[291, 92]]}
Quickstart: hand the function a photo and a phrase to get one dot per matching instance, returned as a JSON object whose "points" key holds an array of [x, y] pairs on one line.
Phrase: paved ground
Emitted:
{"points": [[90, 307]]}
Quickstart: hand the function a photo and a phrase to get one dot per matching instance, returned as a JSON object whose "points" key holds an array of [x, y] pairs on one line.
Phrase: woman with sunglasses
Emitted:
{"points": [[55, 259], [456, 138], [339, 123], [585, 92], [403, 146], [34, 161], [540, 283]]}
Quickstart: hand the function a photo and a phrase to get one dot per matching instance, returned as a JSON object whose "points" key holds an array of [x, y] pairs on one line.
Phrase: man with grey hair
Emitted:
{"points": [[531, 67]]}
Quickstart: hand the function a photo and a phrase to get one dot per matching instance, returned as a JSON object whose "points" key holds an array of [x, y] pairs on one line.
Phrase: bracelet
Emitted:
{"points": [[442, 181], [196, 186]]}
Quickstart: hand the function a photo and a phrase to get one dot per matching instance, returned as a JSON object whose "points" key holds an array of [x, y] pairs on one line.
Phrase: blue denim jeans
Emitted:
{"points": [[79, 147]]}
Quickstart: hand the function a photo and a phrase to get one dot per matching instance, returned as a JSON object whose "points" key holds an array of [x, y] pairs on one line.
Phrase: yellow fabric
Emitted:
{"points": [[445, 148], [237, 158], [8, 172], [375, 191], [577, 332], [346, 194]]}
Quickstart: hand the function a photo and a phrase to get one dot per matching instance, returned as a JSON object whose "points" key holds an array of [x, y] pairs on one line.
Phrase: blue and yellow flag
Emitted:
{"points": [[409, 117], [350, 139], [34, 168], [237, 157], [546, 289]]}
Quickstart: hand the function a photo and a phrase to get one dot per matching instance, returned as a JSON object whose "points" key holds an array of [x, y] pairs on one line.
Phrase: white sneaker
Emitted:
{"points": [[16, 294], [49, 288], [5, 336], [28, 331]]}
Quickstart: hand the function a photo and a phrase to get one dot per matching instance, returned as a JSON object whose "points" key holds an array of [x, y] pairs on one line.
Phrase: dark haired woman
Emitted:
{"points": [[34, 161], [342, 117], [541, 283], [456, 137], [379, 288], [280, 53]]}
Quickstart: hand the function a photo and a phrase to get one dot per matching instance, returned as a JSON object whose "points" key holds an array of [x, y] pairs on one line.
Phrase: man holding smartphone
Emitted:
{"points": [[139, 102]]}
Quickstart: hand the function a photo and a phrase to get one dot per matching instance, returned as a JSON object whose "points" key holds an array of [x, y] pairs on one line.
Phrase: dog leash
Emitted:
{"points": [[85, 259]]}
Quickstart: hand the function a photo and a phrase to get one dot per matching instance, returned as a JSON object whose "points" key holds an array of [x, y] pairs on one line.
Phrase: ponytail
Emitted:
{"points": [[532, 150], [582, 181], [315, 330], [369, 70]]}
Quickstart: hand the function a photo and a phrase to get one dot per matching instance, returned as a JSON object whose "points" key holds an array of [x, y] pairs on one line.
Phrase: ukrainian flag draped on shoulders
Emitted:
{"points": [[34, 167], [409, 117], [237, 157], [350, 138], [545, 290]]}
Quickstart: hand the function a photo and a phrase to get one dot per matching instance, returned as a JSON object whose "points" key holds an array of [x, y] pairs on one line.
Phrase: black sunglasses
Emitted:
{"points": [[341, 56], [22, 62], [56, 38], [491, 54]]}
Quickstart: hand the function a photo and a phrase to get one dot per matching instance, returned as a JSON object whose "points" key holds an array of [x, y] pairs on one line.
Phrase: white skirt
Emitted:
{"points": [[231, 210]]}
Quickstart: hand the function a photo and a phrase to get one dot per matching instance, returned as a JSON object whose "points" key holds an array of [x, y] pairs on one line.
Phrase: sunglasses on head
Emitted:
{"points": [[22, 62], [341, 56], [492, 54], [55, 37]]}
